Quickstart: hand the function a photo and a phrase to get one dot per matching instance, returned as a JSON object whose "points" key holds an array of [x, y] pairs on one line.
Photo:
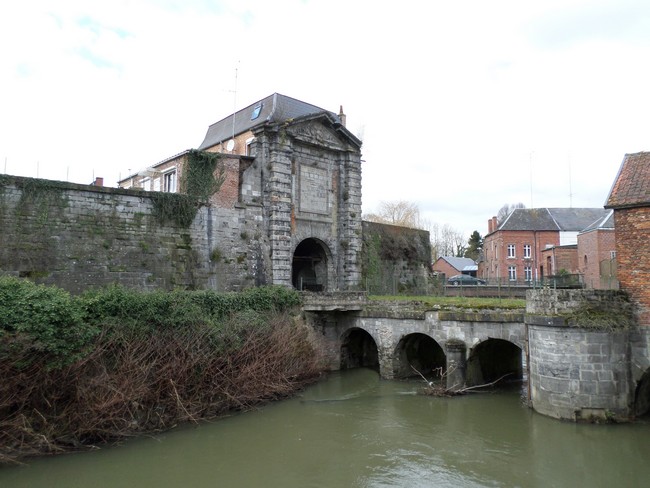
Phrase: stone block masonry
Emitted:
{"points": [[79, 236], [582, 344]]}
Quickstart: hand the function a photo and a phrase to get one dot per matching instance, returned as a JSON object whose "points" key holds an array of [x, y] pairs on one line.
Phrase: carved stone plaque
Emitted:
{"points": [[314, 190]]}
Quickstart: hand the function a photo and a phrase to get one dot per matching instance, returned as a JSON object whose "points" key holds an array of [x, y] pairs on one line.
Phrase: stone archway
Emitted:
{"points": [[492, 359], [309, 267], [421, 352], [642, 396], [359, 350]]}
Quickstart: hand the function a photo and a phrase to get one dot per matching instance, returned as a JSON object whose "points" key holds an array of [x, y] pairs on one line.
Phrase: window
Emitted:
{"points": [[511, 250], [526, 251], [512, 273], [250, 148], [612, 254], [256, 112], [528, 273], [146, 184], [169, 182]]}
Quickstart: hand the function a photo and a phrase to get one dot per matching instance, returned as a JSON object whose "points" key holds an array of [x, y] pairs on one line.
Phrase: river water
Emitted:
{"points": [[355, 430]]}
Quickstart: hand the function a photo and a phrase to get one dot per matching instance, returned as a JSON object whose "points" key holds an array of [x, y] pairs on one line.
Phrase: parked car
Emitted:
{"points": [[465, 280]]}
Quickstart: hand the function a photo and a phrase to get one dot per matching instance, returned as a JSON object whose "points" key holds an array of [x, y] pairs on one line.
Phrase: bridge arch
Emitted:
{"points": [[421, 352], [642, 395], [493, 358], [310, 268], [358, 350]]}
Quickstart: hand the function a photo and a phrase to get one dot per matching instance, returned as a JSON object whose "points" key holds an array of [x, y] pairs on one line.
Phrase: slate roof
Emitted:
{"points": [[274, 108], [459, 263], [552, 219], [606, 223], [631, 187]]}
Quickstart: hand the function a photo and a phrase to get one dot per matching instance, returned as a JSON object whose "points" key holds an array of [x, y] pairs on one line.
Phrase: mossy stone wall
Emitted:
{"points": [[80, 236]]}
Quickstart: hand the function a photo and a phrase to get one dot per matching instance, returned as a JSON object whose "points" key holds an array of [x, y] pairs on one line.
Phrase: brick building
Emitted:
{"points": [[630, 200], [451, 265], [597, 254], [532, 244], [289, 209]]}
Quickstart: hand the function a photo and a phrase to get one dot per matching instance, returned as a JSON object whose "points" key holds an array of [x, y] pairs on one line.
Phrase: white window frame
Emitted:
{"points": [[512, 273], [512, 251], [249, 142], [528, 273], [146, 184], [612, 254], [170, 174], [527, 250]]}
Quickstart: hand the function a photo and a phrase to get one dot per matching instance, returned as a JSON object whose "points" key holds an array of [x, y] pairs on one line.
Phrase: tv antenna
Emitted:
{"points": [[231, 143], [570, 186], [530, 161]]}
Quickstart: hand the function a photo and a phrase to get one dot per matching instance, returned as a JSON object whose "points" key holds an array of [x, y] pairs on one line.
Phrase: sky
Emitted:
{"points": [[462, 107]]}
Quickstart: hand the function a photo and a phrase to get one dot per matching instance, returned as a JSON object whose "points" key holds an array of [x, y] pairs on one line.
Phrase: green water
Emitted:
{"points": [[355, 430]]}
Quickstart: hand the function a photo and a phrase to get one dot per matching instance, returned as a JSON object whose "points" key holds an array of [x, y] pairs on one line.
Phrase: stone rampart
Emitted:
{"points": [[80, 236]]}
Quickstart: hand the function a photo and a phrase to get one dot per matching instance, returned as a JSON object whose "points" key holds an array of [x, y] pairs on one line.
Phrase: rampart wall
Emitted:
{"points": [[79, 236]]}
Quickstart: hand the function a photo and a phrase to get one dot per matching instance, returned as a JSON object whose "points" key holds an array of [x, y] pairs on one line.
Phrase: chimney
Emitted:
{"points": [[490, 228], [495, 224], [342, 116], [99, 181]]}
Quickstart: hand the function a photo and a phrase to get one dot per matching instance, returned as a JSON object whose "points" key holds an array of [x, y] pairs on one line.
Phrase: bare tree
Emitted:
{"points": [[445, 240], [507, 210], [406, 214]]}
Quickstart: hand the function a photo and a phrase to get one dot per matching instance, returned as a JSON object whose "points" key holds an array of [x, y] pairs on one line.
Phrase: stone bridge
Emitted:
{"points": [[584, 371], [402, 339]]}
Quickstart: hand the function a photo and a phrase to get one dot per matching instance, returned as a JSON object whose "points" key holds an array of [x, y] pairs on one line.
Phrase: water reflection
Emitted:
{"points": [[355, 430]]}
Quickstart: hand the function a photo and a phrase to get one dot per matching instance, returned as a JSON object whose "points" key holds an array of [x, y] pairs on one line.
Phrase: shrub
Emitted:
{"points": [[41, 323]]}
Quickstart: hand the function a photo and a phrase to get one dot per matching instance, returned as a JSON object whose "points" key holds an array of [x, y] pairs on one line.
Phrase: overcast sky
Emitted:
{"points": [[461, 106]]}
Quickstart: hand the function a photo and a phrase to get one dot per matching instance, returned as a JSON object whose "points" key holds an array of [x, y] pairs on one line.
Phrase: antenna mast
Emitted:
{"points": [[530, 161], [234, 108], [570, 187]]}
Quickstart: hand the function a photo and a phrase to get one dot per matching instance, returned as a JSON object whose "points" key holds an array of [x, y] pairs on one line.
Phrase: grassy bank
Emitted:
{"points": [[476, 303], [114, 363]]}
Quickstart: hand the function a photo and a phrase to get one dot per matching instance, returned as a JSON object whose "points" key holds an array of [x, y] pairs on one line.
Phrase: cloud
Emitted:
{"points": [[450, 98]]}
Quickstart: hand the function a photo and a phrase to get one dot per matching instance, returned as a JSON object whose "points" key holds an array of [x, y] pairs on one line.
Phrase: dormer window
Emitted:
{"points": [[256, 112]]}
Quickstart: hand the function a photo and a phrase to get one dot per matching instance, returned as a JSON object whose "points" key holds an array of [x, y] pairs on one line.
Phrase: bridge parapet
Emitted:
{"points": [[334, 301]]}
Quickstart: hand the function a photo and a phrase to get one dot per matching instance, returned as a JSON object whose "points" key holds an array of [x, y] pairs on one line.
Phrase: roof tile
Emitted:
{"points": [[631, 187]]}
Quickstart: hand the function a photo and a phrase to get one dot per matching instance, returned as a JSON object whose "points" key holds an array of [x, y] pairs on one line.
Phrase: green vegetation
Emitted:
{"points": [[202, 177], [41, 324], [475, 303], [114, 362]]}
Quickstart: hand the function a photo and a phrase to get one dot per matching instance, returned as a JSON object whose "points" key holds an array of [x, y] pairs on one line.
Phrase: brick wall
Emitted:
{"points": [[496, 253], [228, 194], [560, 258], [633, 256], [595, 247], [442, 266]]}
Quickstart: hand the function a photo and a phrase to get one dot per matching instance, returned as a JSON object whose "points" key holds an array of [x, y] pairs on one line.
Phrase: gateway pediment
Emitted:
{"points": [[317, 134]]}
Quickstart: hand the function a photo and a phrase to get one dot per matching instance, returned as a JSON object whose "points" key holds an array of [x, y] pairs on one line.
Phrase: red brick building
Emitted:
{"points": [[451, 265], [597, 254], [630, 200], [531, 244]]}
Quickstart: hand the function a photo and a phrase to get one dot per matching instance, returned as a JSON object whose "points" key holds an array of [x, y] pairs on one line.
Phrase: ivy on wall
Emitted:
{"points": [[202, 177]]}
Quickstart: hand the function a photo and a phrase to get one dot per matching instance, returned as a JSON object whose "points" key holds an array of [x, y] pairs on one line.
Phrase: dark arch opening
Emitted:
{"points": [[309, 266], [491, 360], [642, 396], [421, 352], [359, 350]]}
